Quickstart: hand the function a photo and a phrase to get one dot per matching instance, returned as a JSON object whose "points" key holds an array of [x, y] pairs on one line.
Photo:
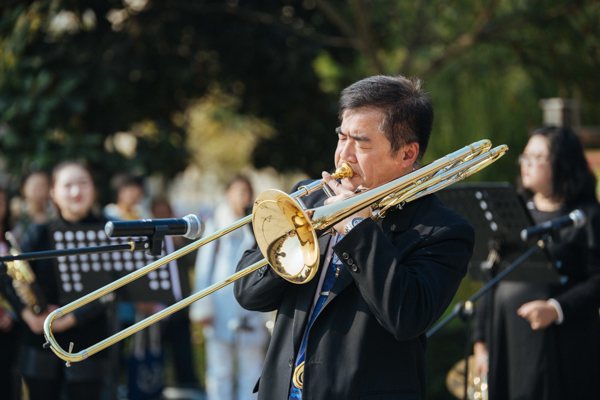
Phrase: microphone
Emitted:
{"points": [[190, 227], [576, 218]]}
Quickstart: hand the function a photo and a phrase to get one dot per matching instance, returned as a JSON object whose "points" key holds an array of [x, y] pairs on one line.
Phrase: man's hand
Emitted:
{"points": [[341, 194], [539, 313]]}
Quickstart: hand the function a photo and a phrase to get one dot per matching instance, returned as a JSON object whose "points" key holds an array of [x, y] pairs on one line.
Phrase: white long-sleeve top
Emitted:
{"points": [[216, 262]]}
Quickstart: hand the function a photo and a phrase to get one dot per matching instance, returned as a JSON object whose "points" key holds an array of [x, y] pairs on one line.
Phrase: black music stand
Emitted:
{"points": [[81, 274], [498, 216]]}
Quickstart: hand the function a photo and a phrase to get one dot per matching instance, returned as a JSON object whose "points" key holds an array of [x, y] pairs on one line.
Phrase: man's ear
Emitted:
{"points": [[407, 155]]}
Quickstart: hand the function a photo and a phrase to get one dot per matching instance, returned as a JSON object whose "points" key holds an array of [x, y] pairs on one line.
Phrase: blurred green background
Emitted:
{"points": [[155, 86]]}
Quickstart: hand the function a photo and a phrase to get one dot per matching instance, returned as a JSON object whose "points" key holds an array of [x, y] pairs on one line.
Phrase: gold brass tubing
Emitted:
{"points": [[449, 177], [344, 171], [117, 337], [497, 152], [322, 217]]}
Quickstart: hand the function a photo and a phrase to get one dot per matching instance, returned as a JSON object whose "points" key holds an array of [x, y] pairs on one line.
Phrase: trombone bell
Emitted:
{"points": [[285, 236]]}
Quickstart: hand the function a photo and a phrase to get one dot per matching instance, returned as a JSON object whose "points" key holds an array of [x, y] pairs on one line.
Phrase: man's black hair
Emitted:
{"points": [[407, 109]]}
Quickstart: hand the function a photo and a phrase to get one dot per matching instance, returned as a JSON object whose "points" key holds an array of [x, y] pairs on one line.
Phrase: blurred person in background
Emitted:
{"points": [[236, 339], [36, 206], [544, 338], [46, 376], [129, 195], [176, 328], [9, 326]]}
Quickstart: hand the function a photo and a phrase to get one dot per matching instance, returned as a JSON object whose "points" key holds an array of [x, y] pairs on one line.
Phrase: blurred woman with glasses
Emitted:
{"points": [[545, 338]]}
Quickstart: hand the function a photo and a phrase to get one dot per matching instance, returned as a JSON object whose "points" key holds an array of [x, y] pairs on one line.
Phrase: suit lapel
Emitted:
{"points": [[340, 284], [306, 295]]}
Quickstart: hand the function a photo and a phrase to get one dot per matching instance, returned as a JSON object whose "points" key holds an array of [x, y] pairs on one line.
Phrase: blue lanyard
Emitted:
{"points": [[333, 271]]}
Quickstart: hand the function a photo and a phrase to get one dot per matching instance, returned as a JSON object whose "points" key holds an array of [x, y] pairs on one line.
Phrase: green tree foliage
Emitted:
{"points": [[485, 64], [73, 73]]}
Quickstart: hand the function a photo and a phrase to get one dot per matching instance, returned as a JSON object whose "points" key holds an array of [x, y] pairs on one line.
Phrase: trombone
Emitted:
{"points": [[287, 232]]}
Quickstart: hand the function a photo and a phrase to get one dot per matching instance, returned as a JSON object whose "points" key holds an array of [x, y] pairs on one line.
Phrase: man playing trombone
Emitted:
{"points": [[357, 330]]}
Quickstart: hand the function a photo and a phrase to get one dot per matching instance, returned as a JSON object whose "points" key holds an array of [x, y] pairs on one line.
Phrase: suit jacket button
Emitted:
{"points": [[345, 256], [354, 268], [350, 261], [291, 362]]}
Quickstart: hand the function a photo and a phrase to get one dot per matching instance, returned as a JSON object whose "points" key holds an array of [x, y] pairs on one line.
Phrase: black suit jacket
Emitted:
{"points": [[368, 342]]}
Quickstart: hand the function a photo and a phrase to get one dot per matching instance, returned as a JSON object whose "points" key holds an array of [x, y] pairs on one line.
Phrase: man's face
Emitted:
{"points": [[361, 143]]}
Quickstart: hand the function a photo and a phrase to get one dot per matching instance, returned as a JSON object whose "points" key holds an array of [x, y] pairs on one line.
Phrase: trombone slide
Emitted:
{"points": [[283, 226]]}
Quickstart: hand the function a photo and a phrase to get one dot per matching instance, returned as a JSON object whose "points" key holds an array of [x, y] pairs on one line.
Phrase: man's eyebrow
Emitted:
{"points": [[357, 137]]}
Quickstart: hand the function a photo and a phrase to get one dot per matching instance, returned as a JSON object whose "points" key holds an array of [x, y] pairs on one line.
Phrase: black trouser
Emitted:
{"points": [[41, 389], [10, 380], [47, 376]]}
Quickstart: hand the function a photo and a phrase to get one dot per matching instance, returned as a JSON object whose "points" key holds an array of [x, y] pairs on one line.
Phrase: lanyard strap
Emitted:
{"points": [[333, 271]]}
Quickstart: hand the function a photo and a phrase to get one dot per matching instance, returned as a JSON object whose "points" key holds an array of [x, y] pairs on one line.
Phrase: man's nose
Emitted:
{"points": [[348, 153]]}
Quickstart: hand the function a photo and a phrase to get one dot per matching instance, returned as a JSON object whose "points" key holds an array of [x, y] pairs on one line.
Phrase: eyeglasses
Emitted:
{"points": [[532, 160]]}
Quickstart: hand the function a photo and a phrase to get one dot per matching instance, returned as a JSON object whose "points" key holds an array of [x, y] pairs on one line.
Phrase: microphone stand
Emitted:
{"points": [[465, 309], [38, 255], [152, 245]]}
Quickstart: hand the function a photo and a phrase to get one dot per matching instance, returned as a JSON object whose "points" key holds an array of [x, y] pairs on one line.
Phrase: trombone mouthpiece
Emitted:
{"points": [[344, 171]]}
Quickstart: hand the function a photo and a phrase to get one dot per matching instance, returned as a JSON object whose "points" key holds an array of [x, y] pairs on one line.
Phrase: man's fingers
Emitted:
{"points": [[332, 183], [333, 199], [335, 185]]}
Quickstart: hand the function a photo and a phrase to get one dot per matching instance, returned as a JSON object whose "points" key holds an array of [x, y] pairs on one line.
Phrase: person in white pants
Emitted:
{"points": [[236, 339]]}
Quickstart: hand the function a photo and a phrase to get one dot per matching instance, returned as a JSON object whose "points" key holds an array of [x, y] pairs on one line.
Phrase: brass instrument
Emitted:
{"points": [[23, 279], [287, 232], [477, 385]]}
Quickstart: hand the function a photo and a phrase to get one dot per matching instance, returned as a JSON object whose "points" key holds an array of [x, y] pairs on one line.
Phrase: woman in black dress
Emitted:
{"points": [[545, 338], [46, 376]]}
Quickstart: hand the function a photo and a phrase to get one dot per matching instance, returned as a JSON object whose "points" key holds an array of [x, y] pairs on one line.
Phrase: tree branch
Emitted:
{"points": [[270, 20], [367, 45], [464, 41], [335, 18], [416, 39]]}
